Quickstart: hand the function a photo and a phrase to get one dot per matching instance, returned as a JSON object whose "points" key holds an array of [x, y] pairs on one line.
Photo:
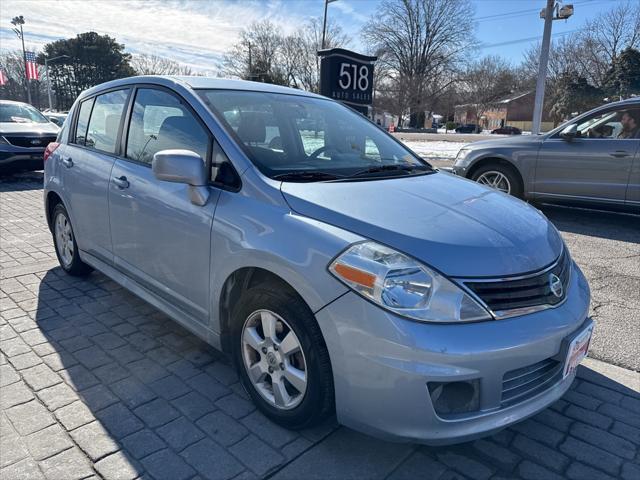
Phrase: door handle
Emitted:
{"points": [[67, 162], [121, 182], [620, 154]]}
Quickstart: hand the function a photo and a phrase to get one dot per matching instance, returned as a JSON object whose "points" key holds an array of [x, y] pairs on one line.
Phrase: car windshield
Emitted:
{"points": [[300, 138], [20, 113]]}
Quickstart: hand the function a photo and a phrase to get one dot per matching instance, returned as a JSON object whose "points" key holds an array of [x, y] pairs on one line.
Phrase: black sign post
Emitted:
{"points": [[348, 77]]}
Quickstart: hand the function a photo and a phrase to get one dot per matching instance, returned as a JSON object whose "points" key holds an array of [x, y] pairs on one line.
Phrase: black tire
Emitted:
{"points": [[509, 172], [318, 400], [76, 267]]}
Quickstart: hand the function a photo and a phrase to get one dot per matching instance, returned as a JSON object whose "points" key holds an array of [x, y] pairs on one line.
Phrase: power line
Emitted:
{"points": [[519, 13], [528, 39]]}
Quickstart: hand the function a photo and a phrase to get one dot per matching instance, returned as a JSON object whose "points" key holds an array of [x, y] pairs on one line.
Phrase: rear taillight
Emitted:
{"points": [[50, 149]]}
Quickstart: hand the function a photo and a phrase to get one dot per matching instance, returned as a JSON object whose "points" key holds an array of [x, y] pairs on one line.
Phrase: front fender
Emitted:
{"points": [[248, 232]]}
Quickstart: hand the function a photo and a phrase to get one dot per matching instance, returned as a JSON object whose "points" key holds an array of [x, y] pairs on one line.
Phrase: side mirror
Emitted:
{"points": [[570, 132], [183, 166]]}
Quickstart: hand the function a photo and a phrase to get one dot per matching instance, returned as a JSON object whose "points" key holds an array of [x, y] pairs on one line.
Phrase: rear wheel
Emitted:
{"points": [[65, 243], [281, 357], [499, 176]]}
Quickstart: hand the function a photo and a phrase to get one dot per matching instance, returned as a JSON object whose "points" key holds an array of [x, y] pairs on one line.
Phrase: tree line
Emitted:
{"points": [[428, 61]]}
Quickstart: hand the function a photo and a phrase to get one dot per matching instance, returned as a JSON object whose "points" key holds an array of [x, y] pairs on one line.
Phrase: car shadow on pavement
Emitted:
{"points": [[97, 380], [13, 181], [123, 390], [596, 223]]}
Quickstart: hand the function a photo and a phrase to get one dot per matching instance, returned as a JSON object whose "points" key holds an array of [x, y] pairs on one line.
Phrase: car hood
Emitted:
{"points": [[13, 128], [454, 225]]}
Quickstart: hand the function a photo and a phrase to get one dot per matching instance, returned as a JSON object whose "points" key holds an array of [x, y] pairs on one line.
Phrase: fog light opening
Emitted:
{"points": [[451, 398]]}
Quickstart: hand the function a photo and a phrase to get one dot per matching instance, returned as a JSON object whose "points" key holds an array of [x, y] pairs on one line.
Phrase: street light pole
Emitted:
{"points": [[19, 21], [324, 22], [548, 15], [46, 69]]}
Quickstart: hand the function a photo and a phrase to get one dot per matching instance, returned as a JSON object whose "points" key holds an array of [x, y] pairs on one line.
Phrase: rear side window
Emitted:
{"points": [[83, 121], [159, 121], [108, 108]]}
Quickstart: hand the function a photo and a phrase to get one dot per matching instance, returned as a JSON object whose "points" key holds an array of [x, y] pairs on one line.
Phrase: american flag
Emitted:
{"points": [[32, 66], [3, 78]]}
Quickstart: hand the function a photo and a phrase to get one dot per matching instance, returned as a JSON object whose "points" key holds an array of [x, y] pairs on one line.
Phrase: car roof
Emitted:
{"points": [[197, 82], [13, 102]]}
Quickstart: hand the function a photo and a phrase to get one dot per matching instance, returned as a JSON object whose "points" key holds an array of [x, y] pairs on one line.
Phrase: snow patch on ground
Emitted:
{"points": [[437, 150]]}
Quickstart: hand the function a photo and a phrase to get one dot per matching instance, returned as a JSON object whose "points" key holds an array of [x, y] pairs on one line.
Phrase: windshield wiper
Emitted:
{"points": [[306, 176], [391, 168]]}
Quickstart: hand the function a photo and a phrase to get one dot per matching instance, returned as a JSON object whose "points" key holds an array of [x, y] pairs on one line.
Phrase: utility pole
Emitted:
{"points": [[324, 22], [18, 22], [548, 15], [46, 69]]}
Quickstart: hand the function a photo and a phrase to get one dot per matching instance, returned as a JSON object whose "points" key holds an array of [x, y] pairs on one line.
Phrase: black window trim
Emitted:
{"points": [[211, 138], [72, 133]]}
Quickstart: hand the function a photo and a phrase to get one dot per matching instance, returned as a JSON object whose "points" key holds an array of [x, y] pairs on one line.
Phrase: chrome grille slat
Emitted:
{"points": [[25, 140], [523, 383], [533, 291]]}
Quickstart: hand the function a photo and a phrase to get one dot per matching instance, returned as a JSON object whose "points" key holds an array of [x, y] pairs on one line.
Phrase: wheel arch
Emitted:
{"points": [[238, 282], [51, 200]]}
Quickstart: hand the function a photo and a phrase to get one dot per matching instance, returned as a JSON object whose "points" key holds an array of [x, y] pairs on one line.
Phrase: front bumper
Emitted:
{"points": [[24, 158], [382, 364], [459, 170]]}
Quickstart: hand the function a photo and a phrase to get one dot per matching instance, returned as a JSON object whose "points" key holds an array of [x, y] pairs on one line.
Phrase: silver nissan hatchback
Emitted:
{"points": [[336, 268]]}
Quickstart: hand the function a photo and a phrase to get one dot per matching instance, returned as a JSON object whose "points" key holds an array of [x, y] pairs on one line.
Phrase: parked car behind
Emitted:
{"points": [[507, 130], [56, 117], [591, 160], [468, 128], [24, 135], [337, 269]]}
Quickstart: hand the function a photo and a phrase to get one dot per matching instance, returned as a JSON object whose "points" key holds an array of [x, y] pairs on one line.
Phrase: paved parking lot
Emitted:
{"points": [[95, 383]]}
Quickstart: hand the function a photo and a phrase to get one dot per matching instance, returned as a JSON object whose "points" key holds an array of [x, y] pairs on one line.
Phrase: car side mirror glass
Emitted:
{"points": [[570, 132], [183, 166]]}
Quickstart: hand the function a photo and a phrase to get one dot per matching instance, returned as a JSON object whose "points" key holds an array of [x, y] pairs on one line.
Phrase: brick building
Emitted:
{"points": [[515, 110]]}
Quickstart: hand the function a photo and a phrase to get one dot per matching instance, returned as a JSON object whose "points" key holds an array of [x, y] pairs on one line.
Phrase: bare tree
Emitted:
{"points": [[486, 81], [423, 42], [149, 64], [12, 65], [265, 54]]}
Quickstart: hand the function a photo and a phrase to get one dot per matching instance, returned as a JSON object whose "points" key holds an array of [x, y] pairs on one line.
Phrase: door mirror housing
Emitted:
{"points": [[183, 166], [570, 132]]}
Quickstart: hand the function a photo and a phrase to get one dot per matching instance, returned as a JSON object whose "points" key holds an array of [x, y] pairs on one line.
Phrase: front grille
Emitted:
{"points": [[24, 141], [525, 382], [534, 290]]}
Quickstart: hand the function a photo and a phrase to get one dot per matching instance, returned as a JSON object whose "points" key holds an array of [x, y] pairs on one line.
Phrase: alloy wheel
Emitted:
{"points": [[64, 239], [274, 359], [495, 179]]}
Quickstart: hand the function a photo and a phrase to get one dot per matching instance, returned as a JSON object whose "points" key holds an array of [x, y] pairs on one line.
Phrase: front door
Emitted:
{"points": [[593, 166], [160, 239], [87, 162]]}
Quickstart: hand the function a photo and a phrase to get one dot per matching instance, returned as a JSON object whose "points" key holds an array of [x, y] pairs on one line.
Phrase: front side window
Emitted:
{"points": [[83, 121], [104, 124], [160, 121], [623, 124], [20, 113], [287, 135]]}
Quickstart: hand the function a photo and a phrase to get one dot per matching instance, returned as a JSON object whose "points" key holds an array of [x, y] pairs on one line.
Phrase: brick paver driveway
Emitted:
{"points": [[98, 384]]}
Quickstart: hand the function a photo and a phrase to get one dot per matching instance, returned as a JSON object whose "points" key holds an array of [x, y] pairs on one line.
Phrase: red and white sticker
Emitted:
{"points": [[578, 349]]}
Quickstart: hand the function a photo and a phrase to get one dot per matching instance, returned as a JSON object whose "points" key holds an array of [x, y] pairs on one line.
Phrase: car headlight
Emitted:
{"points": [[462, 155], [404, 286]]}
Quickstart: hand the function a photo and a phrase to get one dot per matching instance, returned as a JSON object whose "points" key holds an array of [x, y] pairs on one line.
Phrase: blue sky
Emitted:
{"points": [[197, 32]]}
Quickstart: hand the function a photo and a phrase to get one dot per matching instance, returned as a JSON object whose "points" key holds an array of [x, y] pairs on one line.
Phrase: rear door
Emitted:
{"points": [[87, 161], [161, 239], [594, 166]]}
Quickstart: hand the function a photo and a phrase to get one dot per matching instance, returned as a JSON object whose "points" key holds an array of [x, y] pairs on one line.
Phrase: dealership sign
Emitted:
{"points": [[347, 76]]}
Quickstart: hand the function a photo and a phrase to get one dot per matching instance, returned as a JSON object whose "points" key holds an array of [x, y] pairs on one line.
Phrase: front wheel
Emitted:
{"points": [[500, 177], [281, 357], [65, 243]]}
